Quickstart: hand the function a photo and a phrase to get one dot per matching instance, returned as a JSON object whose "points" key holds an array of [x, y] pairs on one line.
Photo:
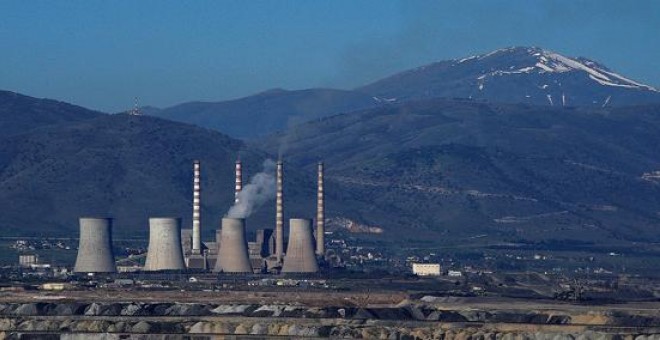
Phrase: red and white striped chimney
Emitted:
{"points": [[320, 214], [239, 180], [279, 213], [197, 240]]}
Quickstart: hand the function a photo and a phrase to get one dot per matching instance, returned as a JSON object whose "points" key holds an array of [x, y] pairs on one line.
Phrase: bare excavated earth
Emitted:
{"points": [[179, 315]]}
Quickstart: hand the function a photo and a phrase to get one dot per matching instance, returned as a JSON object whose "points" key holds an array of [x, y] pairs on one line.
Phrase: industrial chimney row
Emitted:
{"points": [[172, 248]]}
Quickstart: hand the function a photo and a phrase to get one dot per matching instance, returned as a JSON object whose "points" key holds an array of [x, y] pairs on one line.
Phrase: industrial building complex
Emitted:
{"points": [[172, 248]]}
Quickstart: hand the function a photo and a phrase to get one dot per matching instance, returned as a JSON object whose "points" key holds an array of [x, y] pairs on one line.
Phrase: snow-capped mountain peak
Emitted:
{"points": [[540, 61], [528, 75]]}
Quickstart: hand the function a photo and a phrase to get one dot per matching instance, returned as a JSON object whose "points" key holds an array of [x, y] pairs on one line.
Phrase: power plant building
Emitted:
{"points": [[28, 260], [261, 249], [267, 251], [165, 251], [264, 244], [95, 254], [426, 269]]}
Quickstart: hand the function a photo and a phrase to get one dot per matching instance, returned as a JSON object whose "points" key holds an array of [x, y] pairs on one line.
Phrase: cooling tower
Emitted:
{"points": [[196, 239], [95, 248], [239, 180], [279, 213], [300, 256], [320, 214], [164, 252], [233, 256]]}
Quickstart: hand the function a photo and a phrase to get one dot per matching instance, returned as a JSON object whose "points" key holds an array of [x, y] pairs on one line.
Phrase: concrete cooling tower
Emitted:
{"points": [[164, 252], [300, 257], [95, 248], [233, 256]]}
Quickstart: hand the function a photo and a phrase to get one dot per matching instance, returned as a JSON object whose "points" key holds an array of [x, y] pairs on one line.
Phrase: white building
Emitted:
{"points": [[454, 273], [27, 260], [426, 269]]}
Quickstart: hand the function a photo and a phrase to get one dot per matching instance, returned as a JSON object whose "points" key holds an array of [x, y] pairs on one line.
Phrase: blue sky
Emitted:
{"points": [[101, 54]]}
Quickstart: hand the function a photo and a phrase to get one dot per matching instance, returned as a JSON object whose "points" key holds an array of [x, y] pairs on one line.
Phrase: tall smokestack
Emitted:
{"points": [[279, 213], [239, 180], [320, 214], [196, 238]]}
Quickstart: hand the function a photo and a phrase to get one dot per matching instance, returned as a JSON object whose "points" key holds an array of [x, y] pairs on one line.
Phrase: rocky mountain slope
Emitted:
{"points": [[527, 75], [462, 169]]}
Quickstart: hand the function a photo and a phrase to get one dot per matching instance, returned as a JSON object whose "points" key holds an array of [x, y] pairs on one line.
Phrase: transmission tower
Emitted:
{"points": [[136, 109]]}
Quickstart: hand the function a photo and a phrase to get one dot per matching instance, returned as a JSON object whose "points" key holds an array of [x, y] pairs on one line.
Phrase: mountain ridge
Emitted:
{"points": [[20, 113], [434, 168], [127, 167], [527, 75], [131, 168], [267, 111], [510, 171]]}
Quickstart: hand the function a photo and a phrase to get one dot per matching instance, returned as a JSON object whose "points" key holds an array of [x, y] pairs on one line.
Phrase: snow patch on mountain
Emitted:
{"points": [[541, 61], [384, 100], [525, 75], [467, 59]]}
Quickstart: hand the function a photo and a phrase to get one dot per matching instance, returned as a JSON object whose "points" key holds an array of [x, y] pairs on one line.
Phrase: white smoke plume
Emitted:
{"points": [[261, 188]]}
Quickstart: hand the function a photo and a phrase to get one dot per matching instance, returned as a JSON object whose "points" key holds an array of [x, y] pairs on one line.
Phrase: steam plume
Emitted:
{"points": [[260, 189]]}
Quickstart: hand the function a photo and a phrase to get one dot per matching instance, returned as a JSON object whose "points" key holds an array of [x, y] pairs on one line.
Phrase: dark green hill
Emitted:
{"points": [[19, 113], [460, 169], [266, 112], [436, 170], [130, 168]]}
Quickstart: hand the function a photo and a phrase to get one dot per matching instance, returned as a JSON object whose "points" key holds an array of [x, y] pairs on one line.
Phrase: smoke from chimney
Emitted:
{"points": [[253, 195]]}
